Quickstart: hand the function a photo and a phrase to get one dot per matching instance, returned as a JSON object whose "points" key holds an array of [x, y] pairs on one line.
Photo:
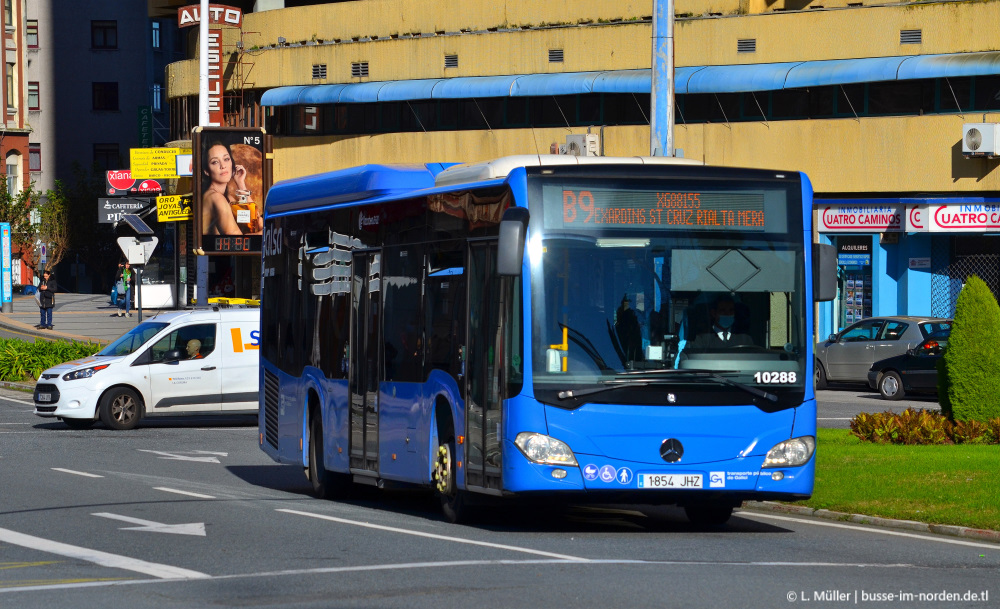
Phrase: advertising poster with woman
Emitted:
{"points": [[230, 183]]}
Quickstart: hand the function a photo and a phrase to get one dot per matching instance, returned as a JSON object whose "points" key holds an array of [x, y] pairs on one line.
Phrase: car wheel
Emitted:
{"points": [[891, 386], [820, 375], [121, 408], [78, 423]]}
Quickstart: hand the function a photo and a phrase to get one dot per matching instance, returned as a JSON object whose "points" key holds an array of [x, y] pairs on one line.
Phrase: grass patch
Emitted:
{"points": [[949, 484]]}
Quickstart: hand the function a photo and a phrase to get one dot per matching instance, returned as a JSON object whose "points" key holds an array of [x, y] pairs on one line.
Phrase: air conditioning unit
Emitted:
{"points": [[588, 144], [980, 139]]}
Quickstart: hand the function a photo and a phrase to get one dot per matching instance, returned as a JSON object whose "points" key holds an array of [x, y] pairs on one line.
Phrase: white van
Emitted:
{"points": [[197, 361]]}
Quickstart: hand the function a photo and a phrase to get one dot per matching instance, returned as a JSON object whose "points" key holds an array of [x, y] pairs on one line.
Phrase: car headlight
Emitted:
{"points": [[544, 449], [82, 373], [791, 453]]}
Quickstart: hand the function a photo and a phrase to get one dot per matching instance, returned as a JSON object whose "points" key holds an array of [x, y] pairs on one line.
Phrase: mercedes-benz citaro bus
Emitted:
{"points": [[587, 329]]}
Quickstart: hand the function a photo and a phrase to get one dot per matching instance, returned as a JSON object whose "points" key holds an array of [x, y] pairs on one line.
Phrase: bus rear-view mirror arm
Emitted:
{"points": [[824, 260], [510, 250]]}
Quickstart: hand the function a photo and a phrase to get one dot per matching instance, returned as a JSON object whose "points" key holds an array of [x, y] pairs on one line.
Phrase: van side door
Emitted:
{"points": [[239, 343], [191, 383]]}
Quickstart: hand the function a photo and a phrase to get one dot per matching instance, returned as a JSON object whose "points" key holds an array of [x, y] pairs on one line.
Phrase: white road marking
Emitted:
{"points": [[434, 536], [6, 399], [454, 564], [180, 457], [191, 528], [97, 557], [835, 418], [70, 471], [179, 492], [879, 531]]}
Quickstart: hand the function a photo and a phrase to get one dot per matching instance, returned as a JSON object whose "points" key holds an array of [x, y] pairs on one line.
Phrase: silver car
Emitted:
{"points": [[848, 355]]}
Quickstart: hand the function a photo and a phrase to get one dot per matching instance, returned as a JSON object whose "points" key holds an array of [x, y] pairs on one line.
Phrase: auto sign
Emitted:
{"points": [[120, 183]]}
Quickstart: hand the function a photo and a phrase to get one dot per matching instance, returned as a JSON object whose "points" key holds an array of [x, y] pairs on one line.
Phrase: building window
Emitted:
{"points": [[8, 12], [105, 95], [34, 157], [11, 93], [31, 34], [156, 34], [157, 97], [13, 162], [104, 34], [106, 156], [33, 96]]}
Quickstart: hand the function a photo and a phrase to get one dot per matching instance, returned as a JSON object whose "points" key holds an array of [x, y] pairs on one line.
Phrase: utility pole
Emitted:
{"points": [[661, 107], [201, 286]]}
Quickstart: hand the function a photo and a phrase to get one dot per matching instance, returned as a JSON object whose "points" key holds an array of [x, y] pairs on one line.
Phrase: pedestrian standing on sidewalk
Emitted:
{"points": [[46, 300], [125, 274]]}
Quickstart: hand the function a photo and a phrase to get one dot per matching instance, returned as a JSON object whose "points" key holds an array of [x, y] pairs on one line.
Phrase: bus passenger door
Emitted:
{"points": [[484, 360], [365, 358]]}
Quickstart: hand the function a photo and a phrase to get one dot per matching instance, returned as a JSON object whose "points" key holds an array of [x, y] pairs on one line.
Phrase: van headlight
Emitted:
{"points": [[82, 373], [544, 449], [791, 453]]}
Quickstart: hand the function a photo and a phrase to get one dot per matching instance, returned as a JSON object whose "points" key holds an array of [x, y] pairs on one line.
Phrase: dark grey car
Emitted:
{"points": [[848, 355]]}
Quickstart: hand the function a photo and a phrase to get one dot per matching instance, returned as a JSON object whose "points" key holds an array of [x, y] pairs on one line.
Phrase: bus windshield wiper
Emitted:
{"points": [[644, 378], [715, 375]]}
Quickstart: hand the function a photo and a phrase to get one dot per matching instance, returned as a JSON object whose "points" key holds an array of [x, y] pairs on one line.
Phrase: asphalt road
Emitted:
{"points": [[190, 513], [841, 403]]}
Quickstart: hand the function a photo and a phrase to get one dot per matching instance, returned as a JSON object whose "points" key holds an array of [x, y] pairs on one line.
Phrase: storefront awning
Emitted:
{"points": [[689, 79]]}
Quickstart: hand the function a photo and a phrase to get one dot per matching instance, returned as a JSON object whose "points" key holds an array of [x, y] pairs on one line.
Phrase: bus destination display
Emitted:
{"points": [[621, 208]]}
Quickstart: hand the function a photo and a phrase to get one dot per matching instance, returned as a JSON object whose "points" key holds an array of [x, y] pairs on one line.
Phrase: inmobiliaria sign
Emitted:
{"points": [[861, 218], [218, 14]]}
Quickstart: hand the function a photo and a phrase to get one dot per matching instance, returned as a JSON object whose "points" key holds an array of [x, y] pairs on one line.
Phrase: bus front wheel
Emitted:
{"points": [[708, 515], [453, 502]]}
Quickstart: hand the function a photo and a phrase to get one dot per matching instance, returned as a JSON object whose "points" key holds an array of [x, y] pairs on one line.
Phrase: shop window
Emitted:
{"points": [[901, 97], [629, 109], [955, 91], [987, 92]]}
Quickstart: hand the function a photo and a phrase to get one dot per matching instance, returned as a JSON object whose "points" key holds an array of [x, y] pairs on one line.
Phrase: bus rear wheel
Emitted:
{"points": [[325, 484], [708, 515], [453, 501]]}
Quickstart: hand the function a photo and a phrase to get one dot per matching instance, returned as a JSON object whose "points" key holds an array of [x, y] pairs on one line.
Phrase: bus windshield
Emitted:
{"points": [[694, 290]]}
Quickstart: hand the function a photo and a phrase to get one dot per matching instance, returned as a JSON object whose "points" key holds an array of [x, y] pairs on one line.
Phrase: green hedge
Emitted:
{"points": [[24, 361], [969, 379]]}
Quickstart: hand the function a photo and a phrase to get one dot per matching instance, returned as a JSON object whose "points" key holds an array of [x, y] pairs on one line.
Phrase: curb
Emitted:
{"points": [[907, 525]]}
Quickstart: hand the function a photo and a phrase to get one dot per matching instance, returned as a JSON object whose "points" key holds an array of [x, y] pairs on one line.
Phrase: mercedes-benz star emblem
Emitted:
{"points": [[671, 450], [671, 398]]}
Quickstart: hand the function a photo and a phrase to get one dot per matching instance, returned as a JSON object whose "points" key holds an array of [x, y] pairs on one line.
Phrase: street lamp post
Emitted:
{"points": [[661, 125]]}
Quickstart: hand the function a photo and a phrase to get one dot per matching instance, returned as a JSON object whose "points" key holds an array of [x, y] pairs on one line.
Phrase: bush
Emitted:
{"points": [[23, 361], [969, 383], [922, 427]]}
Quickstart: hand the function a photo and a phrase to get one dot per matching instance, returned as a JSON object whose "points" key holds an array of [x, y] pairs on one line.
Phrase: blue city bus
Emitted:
{"points": [[587, 329]]}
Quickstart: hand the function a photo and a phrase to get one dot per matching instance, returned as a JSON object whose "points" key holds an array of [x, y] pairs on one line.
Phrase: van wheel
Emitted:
{"points": [[120, 408], [891, 386], [453, 501], [820, 376], [78, 423], [325, 484]]}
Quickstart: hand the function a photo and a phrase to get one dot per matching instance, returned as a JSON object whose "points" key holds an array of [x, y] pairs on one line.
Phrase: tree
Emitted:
{"points": [[969, 386], [16, 209], [53, 226]]}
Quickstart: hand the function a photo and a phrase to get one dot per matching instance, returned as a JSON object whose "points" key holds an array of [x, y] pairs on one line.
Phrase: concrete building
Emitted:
{"points": [[95, 72], [870, 99]]}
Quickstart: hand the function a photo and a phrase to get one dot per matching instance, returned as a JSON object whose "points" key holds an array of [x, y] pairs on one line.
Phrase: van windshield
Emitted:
{"points": [[133, 340]]}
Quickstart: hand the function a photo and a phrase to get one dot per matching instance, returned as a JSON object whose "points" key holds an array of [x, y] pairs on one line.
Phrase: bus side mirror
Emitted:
{"points": [[510, 250], [824, 262]]}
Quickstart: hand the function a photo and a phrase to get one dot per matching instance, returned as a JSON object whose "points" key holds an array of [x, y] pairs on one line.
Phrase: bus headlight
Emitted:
{"points": [[543, 449], [83, 373], [791, 453]]}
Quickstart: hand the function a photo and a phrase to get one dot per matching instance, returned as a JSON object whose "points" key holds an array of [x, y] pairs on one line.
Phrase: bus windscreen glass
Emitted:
{"points": [[696, 289]]}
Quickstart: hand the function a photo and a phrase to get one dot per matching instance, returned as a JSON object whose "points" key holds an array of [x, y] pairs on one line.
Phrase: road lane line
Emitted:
{"points": [[179, 492], [7, 399], [852, 527], [434, 536], [74, 472], [97, 557]]}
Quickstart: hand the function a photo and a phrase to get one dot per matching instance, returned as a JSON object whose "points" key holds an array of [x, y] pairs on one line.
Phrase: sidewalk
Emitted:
{"points": [[77, 317]]}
